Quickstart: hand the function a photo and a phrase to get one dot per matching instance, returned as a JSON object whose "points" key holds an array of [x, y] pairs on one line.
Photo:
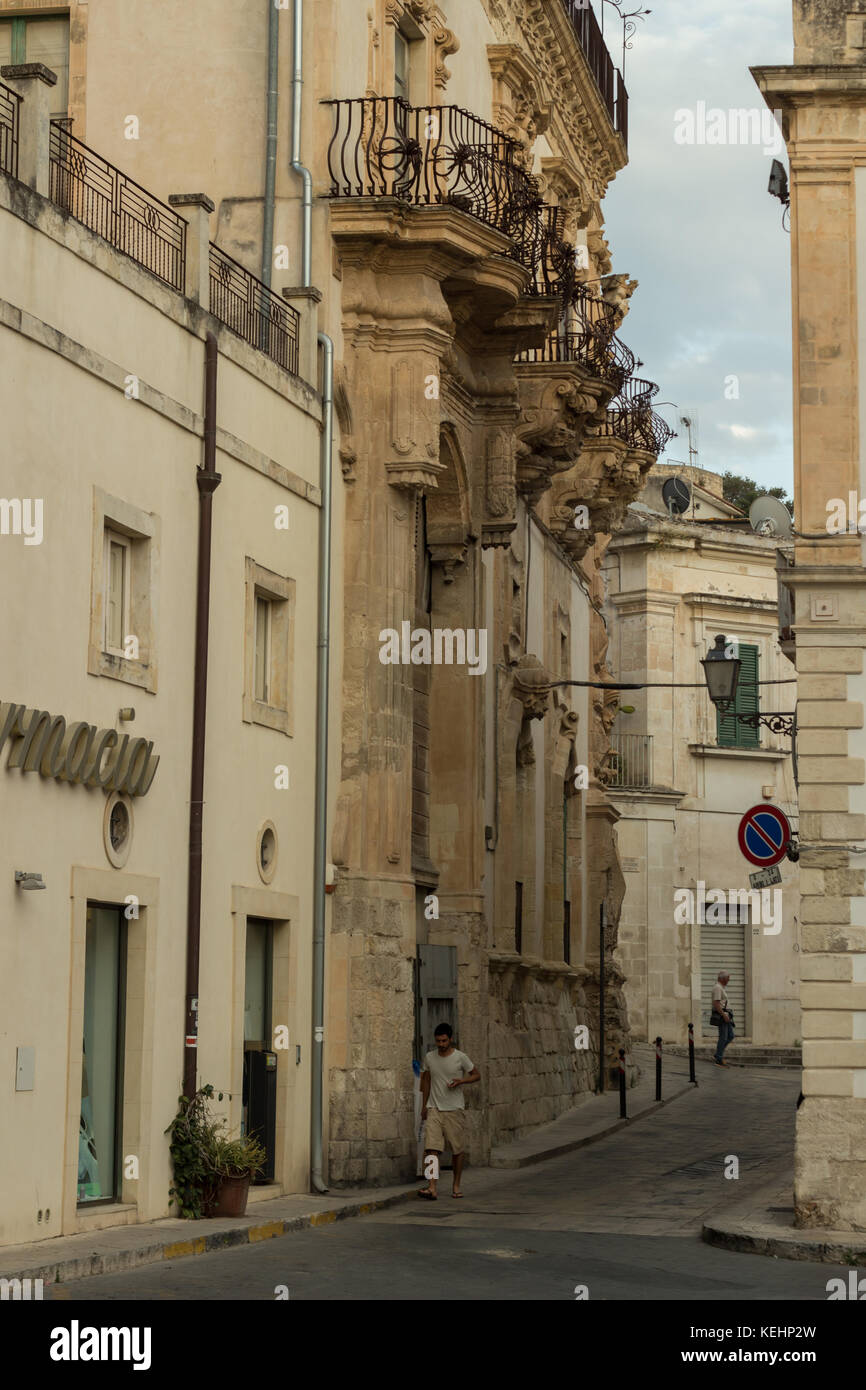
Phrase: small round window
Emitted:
{"points": [[266, 852], [117, 829]]}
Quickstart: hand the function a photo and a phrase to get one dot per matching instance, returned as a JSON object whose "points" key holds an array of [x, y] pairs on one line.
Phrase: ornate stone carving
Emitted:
{"points": [[617, 290], [444, 43], [558, 403], [564, 186], [604, 479], [343, 407], [532, 681], [599, 250], [501, 492], [519, 106]]}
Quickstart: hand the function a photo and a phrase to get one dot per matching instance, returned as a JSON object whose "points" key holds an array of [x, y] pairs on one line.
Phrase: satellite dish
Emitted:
{"points": [[769, 516], [677, 495]]}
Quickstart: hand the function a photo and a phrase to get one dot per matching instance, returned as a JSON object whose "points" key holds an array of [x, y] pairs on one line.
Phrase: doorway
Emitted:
{"points": [[260, 1061]]}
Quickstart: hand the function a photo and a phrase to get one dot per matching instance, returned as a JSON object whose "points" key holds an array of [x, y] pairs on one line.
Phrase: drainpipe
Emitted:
{"points": [[324, 641], [271, 142], [299, 168], [208, 480], [321, 827]]}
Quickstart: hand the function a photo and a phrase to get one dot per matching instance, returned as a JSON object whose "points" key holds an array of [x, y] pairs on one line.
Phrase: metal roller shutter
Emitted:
{"points": [[724, 948]]}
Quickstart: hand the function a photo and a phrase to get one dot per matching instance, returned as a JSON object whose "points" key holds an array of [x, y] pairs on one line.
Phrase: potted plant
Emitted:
{"points": [[212, 1171], [235, 1162]]}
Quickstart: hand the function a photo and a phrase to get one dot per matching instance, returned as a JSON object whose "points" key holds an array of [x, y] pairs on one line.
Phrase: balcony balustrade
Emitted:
{"points": [[435, 156], [607, 77], [9, 104], [246, 306], [631, 761], [589, 338], [631, 418]]}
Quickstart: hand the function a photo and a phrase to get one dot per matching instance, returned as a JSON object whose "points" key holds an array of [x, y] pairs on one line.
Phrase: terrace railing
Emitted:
{"points": [[630, 417], [631, 760], [246, 306], [608, 78], [115, 207], [433, 156], [9, 104]]}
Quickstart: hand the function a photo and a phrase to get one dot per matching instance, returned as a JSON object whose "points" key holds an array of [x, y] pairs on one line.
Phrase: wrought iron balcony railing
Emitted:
{"points": [[630, 417], [115, 207], [246, 306], [589, 338], [608, 78], [433, 156], [631, 760], [9, 104]]}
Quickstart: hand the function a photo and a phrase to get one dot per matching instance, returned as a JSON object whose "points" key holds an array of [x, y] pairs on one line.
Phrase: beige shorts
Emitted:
{"points": [[444, 1130]]}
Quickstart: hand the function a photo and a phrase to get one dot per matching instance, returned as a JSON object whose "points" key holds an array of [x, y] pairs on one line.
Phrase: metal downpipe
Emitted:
{"points": [[271, 141], [321, 824], [299, 168]]}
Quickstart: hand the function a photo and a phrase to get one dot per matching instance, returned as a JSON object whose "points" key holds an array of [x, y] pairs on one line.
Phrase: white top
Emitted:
{"points": [[445, 1069]]}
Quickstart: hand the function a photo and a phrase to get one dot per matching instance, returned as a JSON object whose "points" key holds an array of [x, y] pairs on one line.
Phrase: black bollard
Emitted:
{"points": [[622, 1111], [692, 1076], [658, 1068]]}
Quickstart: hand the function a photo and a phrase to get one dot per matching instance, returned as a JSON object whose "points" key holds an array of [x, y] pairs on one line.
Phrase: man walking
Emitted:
{"points": [[443, 1107], [722, 1017]]}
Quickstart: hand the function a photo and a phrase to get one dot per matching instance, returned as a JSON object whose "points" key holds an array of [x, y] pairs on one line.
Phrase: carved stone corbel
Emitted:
{"points": [[558, 403], [444, 43], [617, 290], [414, 437], [500, 491]]}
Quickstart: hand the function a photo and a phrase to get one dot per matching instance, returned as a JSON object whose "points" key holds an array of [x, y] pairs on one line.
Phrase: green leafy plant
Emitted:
{"points": [[235, 1158], [194, 1139], [202, 1153]]}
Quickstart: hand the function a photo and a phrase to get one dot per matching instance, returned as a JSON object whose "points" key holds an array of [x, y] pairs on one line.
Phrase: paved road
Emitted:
{"points": [[622, 1217]]}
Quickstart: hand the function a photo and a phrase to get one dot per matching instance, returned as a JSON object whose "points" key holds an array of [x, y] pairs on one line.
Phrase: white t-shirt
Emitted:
{"points": [[719, 993], [445, 1069]]}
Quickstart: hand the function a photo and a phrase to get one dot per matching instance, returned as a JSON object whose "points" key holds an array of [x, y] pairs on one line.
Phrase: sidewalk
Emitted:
{"points": [[763, 1225], [125, 1247]]}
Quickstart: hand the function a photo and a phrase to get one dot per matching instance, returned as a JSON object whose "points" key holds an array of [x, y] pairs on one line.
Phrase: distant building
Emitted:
{"points": [[681, 775]]}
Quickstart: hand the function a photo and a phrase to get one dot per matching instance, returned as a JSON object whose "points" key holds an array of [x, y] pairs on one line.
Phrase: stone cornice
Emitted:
{"points": [[712, 600]]}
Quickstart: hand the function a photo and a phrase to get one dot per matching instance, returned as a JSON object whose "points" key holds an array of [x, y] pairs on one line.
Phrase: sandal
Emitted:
{"points": [[427, 1195]]}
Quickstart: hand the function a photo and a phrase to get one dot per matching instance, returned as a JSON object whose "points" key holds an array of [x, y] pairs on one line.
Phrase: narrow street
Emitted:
{"points": [[621, 1216]]}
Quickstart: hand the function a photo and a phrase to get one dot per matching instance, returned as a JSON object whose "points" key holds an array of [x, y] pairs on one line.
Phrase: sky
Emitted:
{"points": [[695, 225]]}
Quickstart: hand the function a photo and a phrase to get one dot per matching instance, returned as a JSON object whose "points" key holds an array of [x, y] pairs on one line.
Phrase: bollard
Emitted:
{"points": [[658, 1068], [622, 1111], [692, 1076]]}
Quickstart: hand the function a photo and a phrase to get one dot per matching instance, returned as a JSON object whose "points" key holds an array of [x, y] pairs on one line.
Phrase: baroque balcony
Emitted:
{"points": [[631, 418], [608, 78], [444, 156]]}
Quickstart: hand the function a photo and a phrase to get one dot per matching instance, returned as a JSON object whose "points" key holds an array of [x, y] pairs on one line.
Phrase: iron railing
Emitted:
{"points": [[431, 156], [608, 78], [588, 335], [115, 207], [246, 306], [631, 760], [630, 417], [9, 104]]}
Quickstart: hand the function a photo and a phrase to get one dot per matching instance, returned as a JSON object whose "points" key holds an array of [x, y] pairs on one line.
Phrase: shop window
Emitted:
{"points": [[40, 39]]}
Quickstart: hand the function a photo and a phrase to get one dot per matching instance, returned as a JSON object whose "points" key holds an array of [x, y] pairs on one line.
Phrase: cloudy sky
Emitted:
{"points": [[696, 227]]}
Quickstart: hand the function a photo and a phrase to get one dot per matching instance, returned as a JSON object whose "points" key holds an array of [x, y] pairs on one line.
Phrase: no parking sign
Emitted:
{"points": [[764, 834]]}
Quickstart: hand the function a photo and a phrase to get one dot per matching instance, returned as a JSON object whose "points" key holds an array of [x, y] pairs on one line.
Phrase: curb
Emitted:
{"points": [[572, 1144], [826, 1248], [62, 1270]]}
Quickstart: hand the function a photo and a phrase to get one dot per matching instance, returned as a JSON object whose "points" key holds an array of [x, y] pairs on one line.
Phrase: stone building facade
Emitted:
{"points": [[822, 96], [683, 777], [490, 435], [113, 446]]}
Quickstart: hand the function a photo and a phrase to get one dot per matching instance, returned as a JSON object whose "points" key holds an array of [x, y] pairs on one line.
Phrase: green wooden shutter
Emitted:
{"points": [[731, 732]]}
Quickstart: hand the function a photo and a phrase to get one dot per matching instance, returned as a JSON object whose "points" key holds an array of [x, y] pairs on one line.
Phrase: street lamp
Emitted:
{"points": [[722, 672]]}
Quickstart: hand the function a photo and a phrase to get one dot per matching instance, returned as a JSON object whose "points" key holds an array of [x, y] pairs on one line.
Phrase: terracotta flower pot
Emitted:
{"points": [[231, 1198]]}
